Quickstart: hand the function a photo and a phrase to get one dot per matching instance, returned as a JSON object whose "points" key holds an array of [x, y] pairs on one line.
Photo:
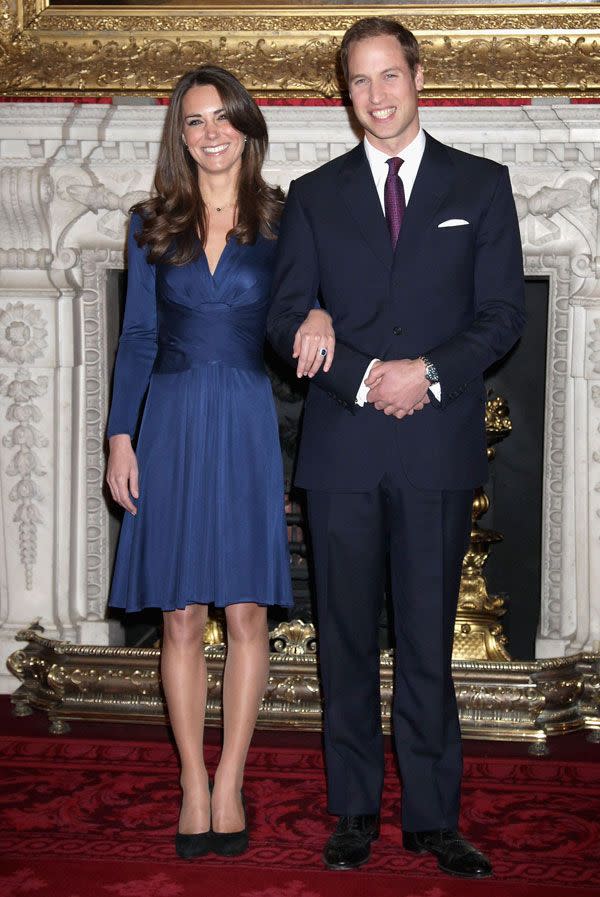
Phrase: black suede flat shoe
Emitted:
{"points": [[190, 846], [231, 844]]}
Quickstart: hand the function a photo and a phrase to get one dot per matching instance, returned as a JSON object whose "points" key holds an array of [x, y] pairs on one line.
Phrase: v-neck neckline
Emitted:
{"points": [[213, 273]]}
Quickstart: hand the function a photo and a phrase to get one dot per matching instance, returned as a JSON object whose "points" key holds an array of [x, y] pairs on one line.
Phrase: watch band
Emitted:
{"points": [[431, 372]]}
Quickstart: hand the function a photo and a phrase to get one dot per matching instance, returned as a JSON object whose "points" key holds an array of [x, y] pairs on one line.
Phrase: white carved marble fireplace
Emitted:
{"points": [[69, 173]]}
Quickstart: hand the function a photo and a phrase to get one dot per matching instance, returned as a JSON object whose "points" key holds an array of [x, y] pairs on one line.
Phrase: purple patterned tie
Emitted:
{"points": [[394, 200]]}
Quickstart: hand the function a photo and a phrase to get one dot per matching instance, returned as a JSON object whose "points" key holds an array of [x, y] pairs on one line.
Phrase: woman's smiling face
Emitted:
{"points": [[212, 141]]}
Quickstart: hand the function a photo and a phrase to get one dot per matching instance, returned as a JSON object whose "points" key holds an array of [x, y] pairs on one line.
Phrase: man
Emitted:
{"points": [[418, 262]]}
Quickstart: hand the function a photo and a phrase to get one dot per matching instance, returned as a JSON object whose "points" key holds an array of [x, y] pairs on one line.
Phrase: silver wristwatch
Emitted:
{"points": [[431, 372]]}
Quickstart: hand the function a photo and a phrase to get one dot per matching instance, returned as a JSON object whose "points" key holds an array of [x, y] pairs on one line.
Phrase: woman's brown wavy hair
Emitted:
{"points": [[175, 216]]}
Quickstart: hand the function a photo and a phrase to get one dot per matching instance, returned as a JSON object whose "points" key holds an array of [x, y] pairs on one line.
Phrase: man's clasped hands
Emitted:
{"points": [[397, 388]]}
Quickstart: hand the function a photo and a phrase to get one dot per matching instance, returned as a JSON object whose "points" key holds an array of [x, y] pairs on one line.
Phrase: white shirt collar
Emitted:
{"points": [[411, 156]]}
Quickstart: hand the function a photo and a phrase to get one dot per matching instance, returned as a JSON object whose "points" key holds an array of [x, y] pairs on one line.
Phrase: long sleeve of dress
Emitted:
{"points": [[138, 342]]}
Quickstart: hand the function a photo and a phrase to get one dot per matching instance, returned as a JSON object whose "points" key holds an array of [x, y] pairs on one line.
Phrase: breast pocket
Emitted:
{"points": [[450, 252]]}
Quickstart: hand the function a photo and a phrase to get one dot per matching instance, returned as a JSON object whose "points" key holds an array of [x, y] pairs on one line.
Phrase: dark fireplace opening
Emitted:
{"points": [[515, 485], [514, 488]]}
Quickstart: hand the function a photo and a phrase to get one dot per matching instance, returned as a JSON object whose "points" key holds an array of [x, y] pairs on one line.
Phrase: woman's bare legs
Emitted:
{"points": [[244, 683], [183, 673]]}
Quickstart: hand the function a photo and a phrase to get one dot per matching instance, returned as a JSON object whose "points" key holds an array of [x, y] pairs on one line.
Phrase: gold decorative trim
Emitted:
{"points": [[288, 50], [497, 700]]}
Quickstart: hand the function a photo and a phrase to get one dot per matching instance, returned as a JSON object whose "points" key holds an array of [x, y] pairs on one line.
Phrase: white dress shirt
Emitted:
{"points": [[411, 157]]}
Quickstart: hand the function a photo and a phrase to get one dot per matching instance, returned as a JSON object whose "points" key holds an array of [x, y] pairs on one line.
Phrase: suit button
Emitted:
{"points": [[397, 331]]}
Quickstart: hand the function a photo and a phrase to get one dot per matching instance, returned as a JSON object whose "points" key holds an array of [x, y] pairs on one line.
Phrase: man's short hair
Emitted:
{"points": [[376, 26]]}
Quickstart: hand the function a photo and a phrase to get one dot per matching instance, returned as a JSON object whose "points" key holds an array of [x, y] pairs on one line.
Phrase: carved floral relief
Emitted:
{"points": [[23, 333], [23, 338]]}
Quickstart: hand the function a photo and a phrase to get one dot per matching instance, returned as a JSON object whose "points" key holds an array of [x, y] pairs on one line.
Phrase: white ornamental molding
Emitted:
{"points": [[25, 194], [556, 212], [596, 454], [23, 333], [94, 306], [107, 196], [596, 401], [25, 463], [100, 198], [595, 347], [25, 259], [543, 205], [554, 517], [23, 338]]}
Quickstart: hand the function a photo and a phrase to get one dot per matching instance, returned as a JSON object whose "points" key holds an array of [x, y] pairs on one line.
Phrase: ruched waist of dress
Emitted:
{"points": [[210, 334]]}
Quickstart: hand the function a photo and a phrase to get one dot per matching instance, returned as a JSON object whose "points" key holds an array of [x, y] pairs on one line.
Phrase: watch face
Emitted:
{"points": [[431, 374]]}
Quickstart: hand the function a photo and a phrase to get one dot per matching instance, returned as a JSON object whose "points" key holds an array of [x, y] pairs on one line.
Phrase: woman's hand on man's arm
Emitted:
{"points": [[314, 335]]}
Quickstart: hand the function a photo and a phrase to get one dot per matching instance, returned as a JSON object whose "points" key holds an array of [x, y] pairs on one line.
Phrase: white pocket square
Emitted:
{"points": [[453, 222]]}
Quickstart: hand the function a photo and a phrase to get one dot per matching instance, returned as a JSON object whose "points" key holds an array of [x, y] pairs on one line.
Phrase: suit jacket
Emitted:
{"points": [[455, 294]]}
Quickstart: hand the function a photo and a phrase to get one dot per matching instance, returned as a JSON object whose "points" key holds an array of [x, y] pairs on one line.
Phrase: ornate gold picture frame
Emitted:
{"points": [[59, 48]]}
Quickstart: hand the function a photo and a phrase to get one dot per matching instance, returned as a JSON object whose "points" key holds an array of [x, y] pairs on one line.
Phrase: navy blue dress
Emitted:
{"points": [[210, 526]]}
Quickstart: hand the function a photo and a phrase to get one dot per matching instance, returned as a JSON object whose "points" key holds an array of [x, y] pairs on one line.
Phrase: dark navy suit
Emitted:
{"points": [[382, 488]]}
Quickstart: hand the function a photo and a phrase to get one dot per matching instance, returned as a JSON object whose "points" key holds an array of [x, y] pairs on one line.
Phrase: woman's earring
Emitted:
{"points": [[183, 141]]}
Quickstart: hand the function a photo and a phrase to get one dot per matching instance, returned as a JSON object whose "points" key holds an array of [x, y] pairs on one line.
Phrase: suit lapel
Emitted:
{"points": [[433, 183], [359, 193]]}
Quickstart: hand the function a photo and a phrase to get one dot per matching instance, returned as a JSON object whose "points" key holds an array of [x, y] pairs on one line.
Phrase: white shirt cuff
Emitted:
{"points": [[436, 389], [363, 391]]}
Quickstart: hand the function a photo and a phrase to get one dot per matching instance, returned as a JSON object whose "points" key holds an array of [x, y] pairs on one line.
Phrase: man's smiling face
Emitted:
{"points": [[384, 92]]}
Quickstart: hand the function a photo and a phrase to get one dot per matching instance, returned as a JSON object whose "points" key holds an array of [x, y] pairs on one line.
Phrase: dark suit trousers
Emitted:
{"points": [[425, 534]]}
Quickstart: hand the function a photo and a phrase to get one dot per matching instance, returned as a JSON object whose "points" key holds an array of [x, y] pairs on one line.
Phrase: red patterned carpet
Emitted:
{"points": [[91, 816]]}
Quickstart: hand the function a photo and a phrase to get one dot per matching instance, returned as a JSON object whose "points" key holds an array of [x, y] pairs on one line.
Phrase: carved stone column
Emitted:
{"points": [[29, 389], [584, 623]]}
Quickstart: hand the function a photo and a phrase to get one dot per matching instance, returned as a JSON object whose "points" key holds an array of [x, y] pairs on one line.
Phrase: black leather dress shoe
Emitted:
{"points": [[350, 844], [454, 853]]}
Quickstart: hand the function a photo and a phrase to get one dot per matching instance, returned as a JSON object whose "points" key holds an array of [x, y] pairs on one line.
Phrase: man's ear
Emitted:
{"points": [[419, 78]]}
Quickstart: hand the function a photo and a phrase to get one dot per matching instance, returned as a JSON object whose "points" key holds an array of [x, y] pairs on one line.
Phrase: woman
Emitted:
{"points": [[206, 519]]}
